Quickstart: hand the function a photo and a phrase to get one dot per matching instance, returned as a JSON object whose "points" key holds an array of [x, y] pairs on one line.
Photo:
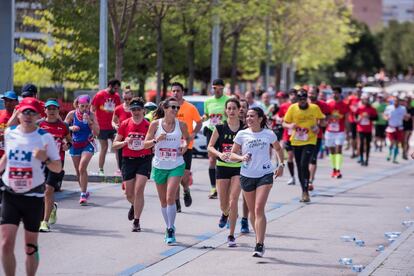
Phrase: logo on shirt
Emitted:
{"points": [[22, 156]]}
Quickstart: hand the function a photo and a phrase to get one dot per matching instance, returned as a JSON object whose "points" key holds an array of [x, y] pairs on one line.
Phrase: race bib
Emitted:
{"points": [[20, 179], [226, 148], [289, 131], [215, 119], [334, 126], [167, 154], [301, 134], [136, 144], [364, 121]]}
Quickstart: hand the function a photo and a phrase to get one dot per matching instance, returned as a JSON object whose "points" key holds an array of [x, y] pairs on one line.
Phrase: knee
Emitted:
{"points": [[31, 249], [170, 199], [259, 211], [7, 245]]}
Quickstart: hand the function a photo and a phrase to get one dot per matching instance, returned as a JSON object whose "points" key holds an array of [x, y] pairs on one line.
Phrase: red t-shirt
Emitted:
{"points": [[4, 118], [281, 113], [105, 104], [121, 113], [353, 103], [365, 112], [326, 111], [59, 131], [336, 122], [137, 133]]}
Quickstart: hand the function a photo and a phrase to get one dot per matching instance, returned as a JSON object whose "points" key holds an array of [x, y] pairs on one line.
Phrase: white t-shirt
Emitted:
{"points": [[23, 171], [258, 145], [396, 115]]}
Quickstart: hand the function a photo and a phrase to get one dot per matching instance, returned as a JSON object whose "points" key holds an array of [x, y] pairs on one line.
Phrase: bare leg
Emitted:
{"points": [[102, 153], [140, 182], [8, 241], [234, 199], [32, 261], [49, 198], [262, 194]]}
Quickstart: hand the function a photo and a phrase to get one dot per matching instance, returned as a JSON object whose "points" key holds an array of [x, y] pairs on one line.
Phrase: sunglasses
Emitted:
{"points": [[135, 108], [29, 112], [174, 107]]}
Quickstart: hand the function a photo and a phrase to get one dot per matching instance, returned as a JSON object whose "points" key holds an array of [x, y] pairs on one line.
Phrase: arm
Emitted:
{"points": [[235, 153], [197, 128], [115, 121], [150, 141], [93, 124], [13, 121], [118, 142], [3, 162], [211, 149], [53, 165], [280, 157], [186, 136]]}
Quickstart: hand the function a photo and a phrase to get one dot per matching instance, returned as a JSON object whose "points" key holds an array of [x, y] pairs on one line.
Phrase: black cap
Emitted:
{"points": [[136, 103], [29, 90], [218, 82]]}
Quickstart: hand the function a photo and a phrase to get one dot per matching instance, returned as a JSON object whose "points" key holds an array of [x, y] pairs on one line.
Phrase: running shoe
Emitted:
{"points": [[388, 158], [187, 198], [178, 205], [333, 173], [53, 214], [259, 250], [213, 193], [223, 221], [101, 172], [83, 200], [338, 174], [131, 213], [291, 181], [244, 226], [231, 241], [305, 197], [136, 227], [44, 226], [171, 237]]}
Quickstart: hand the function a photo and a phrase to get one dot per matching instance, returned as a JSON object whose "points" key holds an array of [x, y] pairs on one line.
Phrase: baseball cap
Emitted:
{"points": [[52, 103], [281, 94], [150, 106], [218, 82], [29, 90], [10, 95], [136, 103], [30, 103]]}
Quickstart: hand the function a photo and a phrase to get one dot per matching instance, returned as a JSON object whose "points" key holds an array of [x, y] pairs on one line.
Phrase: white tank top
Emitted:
{"points": [[167, 152]]}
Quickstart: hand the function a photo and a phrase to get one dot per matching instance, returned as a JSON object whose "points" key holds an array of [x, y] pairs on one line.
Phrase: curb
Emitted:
{"points": [[95, 178], [379, 260]]}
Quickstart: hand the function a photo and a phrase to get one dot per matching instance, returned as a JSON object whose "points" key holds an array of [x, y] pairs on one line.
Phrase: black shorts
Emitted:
{"points": [[287, 146], [188, 158], [105, 134], [208, 133], [279, 133], [53, 179], [15, 208], [380, 131], [353, 127], [226, 172], [131, 166], [249, 184], [316, 150]]}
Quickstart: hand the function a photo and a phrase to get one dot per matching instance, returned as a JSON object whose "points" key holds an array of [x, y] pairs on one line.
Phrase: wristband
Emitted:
{"points": [[154, 141]]}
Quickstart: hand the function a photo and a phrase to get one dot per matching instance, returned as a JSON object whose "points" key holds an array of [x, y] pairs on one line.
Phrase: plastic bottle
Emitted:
{"points": [[346, 238], [345, 261], [357, 268], [360, 243], [380, 248], [85, 118], [246, 163]]}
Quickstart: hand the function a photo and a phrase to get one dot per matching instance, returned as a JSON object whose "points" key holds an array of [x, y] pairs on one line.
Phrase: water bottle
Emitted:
{"points": [[357, 268], [346, 238], [380, 248], [407, 223], [360, 243], [246, 163], [392, 235], [345, 261], [85, 118], [391, 240]]}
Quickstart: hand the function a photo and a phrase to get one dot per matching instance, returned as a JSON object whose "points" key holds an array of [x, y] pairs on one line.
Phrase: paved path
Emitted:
{"points": [[301, 239]]}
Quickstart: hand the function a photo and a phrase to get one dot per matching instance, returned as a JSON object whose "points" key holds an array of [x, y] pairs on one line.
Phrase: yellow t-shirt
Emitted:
{"points": [[304, 119]]}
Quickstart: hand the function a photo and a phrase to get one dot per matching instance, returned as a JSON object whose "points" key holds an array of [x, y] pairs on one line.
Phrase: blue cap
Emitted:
{"points": [[52, 102], [10, 95]]}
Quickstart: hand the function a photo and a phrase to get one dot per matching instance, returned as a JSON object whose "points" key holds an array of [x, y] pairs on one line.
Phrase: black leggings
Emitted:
{"points": [[364, 139], [303, 155]]}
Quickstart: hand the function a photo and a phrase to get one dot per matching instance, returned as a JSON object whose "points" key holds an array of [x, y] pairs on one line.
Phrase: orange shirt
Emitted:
{"points": [[188, 114]]}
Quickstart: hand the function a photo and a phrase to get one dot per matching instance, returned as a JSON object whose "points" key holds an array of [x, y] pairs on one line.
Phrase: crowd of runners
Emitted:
{"points": [[248, 141]]}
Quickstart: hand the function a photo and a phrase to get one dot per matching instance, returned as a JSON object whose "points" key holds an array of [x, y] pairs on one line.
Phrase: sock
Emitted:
{"points": [[291, 169], [339, 160], [212, 174], [164, 214], [171, 212], [332, 157], [395, 153]]}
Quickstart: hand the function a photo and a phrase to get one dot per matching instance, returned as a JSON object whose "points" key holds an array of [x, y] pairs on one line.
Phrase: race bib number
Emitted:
{"points": [[301, 134], [364, 122], [136, 144], [334, 126], [20, 179], [168, 154], [215, 119]]}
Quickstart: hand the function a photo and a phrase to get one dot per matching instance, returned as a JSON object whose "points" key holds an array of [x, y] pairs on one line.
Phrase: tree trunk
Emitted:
{"points": [[165, 82], [159, 65], [141, 89], [119, 60], [191, 65], [277, 77], [234, 55]]}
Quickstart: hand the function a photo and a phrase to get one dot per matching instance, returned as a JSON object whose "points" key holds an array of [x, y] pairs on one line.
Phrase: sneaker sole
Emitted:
{"points": [[44, 231], [257, 255]]}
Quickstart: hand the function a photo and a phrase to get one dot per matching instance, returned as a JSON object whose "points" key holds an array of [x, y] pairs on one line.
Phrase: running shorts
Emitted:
{"points": [[333, 139], [226, 172], [131, 166], [161, 176], [249, 184]]}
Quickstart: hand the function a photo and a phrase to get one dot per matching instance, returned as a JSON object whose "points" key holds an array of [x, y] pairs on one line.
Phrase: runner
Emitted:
{"points": [[84, 127], [121, 113], [28, 150], [214, 111], [286, 134], [255, 145], [395, 114], [303, 119], [136, 167], [313, 97], [188, 114], [353, 103], [10, 102], [165, 135], [381, 123], [408, 124], [228, 172], [103, 105], [335, 132], [249, 96], [150, 108], [365, 115], [60, 132]]}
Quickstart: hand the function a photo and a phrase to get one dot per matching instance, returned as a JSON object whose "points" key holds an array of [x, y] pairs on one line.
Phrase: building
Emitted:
{"points": [[398, 10], [368, 11]]}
